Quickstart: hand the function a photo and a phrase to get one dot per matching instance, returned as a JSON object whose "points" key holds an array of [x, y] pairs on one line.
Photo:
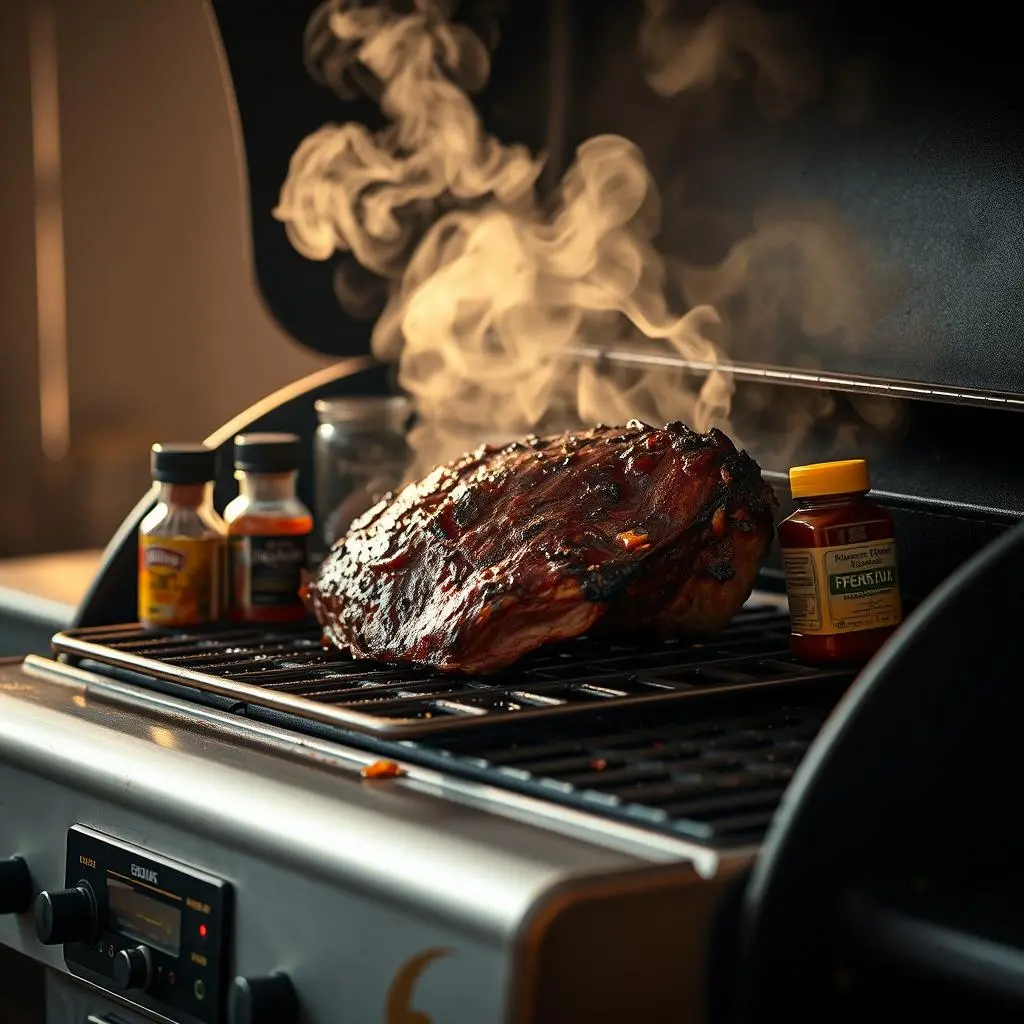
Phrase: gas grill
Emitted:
{"points": [[195, 826]]}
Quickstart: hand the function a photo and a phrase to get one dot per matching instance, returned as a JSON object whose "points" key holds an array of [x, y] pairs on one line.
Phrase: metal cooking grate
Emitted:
{"points": [[717, 780], [291, 671]]}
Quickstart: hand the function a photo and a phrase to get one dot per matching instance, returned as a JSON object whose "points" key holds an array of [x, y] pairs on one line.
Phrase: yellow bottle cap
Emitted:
{"points": [[829, 478]]}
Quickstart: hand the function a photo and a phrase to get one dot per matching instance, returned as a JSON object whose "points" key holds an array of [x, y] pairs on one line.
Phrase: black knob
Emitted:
{"points": [[66, 915], [133, 968], [269, 1000], [15, 886]]}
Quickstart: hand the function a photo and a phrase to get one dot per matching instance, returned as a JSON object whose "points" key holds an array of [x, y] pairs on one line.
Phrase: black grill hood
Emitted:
{"points": [[930, 176], [914, 138]]}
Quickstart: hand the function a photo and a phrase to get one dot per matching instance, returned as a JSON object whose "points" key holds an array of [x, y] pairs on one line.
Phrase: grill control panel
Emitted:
{"points": [[150, 929]]}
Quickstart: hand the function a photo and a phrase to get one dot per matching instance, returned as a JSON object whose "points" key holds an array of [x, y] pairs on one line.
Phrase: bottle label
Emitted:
{"points": [[180, 580], [843, 589], [267, 573]]}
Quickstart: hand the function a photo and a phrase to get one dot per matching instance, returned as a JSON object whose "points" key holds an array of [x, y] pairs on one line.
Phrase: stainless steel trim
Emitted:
{"points": [[651, 357], [121, 1001], [626, 838], [404, 841], [42, 610]]}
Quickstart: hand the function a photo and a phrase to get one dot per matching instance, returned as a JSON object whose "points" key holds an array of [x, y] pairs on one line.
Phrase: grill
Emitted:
{"points": [[716, 780], [698, 739], [291, 670], [572, 839]]}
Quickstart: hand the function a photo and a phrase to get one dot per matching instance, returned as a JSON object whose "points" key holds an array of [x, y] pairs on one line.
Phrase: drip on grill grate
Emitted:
{"points": [[292, 671]]}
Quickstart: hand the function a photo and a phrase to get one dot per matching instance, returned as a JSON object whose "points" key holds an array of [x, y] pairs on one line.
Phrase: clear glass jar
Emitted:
{"points": [[361, 454]]}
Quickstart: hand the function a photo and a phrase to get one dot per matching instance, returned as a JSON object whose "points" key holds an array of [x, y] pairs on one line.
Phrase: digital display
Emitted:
{"points": [[143, 918]]}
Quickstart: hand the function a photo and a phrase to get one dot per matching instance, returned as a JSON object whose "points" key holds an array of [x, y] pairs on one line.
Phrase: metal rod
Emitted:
{"points": [[941, 951], [650, 357]]}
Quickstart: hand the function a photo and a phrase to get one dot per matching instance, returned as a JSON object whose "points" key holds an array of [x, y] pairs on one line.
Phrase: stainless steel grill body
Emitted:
{"points": [[340, 881]]}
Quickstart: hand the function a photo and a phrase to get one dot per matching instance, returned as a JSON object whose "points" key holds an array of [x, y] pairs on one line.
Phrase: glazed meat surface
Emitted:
{"points": [[506, 549]]}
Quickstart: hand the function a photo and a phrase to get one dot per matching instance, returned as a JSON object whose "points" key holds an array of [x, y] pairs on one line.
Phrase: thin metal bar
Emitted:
{"points": [[936, 949], [649, 357]]}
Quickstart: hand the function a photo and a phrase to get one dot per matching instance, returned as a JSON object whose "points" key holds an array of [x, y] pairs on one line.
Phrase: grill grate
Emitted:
{"points": [[717, 781], [692, 740], [290, 670]]}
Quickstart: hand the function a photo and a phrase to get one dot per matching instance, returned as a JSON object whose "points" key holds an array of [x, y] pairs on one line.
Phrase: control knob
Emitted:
{"points": [[15, 886], [66, 915], [133, 968], [269, 1000]]}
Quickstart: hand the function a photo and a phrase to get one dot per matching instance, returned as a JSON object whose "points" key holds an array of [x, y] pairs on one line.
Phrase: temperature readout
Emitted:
{"points": [[143, 918]]}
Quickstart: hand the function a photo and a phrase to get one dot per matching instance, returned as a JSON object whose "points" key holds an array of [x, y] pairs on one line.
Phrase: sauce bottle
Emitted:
{"points": [[181, 542], [268, 530], [839, 557]]}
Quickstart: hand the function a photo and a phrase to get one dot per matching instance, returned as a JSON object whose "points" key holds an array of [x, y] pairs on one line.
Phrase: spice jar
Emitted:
{"points": [[361, 455], [181, 541], [268, 530], [839, 557]]}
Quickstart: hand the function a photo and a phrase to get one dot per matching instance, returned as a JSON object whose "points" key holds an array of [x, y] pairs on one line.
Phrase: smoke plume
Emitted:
{"points": [[352, 190], [733, 41], [489, 290]]}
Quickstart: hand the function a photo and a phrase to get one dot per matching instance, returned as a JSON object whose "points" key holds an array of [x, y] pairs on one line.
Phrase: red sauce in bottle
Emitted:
{"points": [[268, 530], [839, 556]]}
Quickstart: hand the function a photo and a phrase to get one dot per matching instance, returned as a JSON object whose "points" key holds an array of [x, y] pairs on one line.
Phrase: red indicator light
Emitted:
{"points": [[202, 931]]}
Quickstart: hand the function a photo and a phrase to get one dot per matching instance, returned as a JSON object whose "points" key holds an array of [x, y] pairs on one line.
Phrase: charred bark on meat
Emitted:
{"points": [[505, 550]]}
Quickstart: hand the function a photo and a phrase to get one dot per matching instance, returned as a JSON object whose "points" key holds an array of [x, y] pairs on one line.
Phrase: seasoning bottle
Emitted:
{"points": [[181, 542], [268, 530], [839, 557]]}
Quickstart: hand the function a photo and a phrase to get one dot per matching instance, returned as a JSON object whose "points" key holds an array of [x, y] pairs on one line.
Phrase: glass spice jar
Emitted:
{"points": [[361, 454], [839, 558]]}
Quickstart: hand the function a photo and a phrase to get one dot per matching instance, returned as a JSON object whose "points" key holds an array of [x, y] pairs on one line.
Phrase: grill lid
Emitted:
{"points": [[910, 135], [910, 142]]}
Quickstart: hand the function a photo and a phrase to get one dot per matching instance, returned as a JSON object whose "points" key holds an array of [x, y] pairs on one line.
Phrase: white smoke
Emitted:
{"points": [[496, 291], [493, 299], [490, 290], [351, 190]]}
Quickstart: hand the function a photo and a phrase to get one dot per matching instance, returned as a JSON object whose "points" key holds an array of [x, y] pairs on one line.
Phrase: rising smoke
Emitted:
{"points": [[488, 289]]}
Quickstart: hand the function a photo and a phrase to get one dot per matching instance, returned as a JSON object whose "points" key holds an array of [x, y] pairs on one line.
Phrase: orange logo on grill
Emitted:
{"points": [[399, 1009]]}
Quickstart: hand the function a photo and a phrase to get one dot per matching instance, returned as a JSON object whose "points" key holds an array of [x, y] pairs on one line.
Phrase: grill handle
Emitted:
{"points": [[971, 958]]}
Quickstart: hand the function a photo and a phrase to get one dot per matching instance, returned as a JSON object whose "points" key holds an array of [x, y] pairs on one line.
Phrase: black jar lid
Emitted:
{"points": [[183, 463], [267, 453]]}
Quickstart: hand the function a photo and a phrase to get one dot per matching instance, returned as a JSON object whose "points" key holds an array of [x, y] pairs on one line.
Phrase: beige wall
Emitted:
{"points": [[19, 412], [166, 336]]}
